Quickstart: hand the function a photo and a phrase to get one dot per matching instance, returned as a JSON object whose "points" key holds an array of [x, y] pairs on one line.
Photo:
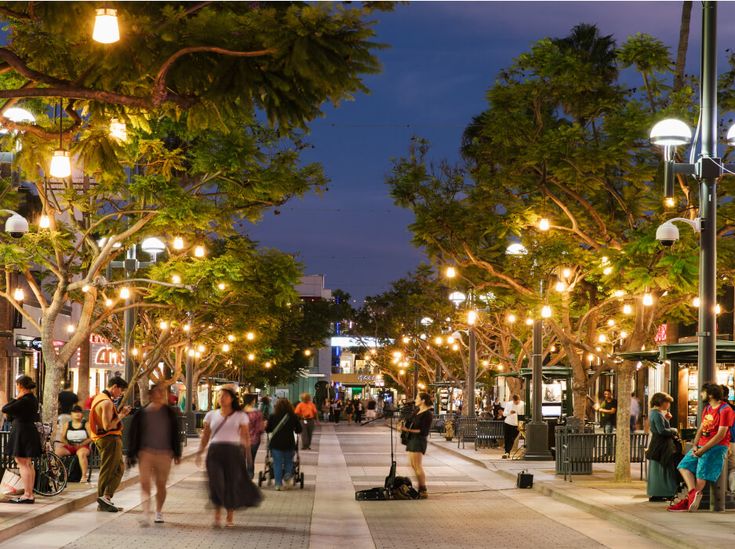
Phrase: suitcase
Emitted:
{"points": [[525, 480]]}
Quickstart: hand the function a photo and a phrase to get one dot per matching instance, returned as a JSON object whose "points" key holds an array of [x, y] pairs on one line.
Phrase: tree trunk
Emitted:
{"points": [[681, 51], [83, 371], [622, 440], [54, 372], [142, 382]]}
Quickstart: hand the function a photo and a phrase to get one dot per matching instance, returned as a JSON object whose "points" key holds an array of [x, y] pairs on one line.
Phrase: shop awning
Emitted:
{"points": [[688, 352]]}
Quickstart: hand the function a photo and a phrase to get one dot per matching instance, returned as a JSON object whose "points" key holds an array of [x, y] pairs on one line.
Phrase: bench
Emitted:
{"points": [[489, 433], [578, 451], [465, 429]]}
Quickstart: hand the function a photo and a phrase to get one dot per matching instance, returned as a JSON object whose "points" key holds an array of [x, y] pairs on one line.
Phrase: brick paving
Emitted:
{"points": [[469, 506]]}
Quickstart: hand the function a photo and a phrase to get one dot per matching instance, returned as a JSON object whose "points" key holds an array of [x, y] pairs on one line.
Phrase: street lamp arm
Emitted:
{"points": [[9, 212], [695, 224]]}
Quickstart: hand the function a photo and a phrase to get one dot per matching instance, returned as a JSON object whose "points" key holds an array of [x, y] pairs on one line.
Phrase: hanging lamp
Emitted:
{"points": [[106, 29], [61, 161]]}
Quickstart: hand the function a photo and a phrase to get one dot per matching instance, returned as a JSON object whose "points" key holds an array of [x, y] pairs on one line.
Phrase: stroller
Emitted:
{"points": [[267, 475]]}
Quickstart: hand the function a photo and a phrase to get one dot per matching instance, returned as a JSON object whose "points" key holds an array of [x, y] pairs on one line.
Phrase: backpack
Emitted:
{"points": [[402, 488], [732, 427]]}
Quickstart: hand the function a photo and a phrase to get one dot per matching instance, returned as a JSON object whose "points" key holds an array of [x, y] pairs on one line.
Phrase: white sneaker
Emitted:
{"points": [[159, 518]]}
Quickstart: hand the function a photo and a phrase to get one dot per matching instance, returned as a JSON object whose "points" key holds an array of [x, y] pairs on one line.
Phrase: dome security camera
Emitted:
{"points": [[16, 226], [667, 234]]}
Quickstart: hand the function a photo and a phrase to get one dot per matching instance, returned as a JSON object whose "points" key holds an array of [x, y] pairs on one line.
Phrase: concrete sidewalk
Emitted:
{"points": [[16, 519], [623, 504]]}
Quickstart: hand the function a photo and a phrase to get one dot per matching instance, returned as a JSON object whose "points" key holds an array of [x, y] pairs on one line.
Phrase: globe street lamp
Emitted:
{"points": [[537, 431]]}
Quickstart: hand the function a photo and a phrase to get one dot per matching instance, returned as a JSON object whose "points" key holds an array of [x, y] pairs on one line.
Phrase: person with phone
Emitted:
{"points": [[105, 428]]}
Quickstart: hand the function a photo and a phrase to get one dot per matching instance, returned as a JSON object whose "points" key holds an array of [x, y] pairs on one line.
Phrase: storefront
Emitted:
{"points": [[361, 386]]}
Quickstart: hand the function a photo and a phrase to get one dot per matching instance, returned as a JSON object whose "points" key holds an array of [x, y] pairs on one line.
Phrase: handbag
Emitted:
{"points": [[524, 480], [11, 483]]}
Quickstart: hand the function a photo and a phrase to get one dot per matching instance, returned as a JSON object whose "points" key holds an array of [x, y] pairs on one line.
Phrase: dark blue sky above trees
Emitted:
{"points": [[443, 56]]}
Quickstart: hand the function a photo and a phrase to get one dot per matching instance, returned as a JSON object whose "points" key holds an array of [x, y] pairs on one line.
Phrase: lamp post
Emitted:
{"points": [[191, 429], [130, 265], [671, 133], [537, 431], [458, 298]]}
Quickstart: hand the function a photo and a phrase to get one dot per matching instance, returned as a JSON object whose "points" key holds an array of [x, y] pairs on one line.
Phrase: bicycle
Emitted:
{"points": [[51, 474]]}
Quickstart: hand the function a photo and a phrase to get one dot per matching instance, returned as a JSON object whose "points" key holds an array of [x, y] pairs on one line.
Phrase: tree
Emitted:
{"points": [[561, 143], [193, 85]]}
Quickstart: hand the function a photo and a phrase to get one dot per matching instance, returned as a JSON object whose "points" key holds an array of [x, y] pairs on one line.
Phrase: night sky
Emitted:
{"points": [[443, 56]]}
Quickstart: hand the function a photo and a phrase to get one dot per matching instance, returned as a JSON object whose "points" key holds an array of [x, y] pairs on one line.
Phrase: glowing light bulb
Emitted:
{"points": [[191, 352], [85, 288], [268, 364], [669, 202], [201, 348], [19, 294], [106, 29], [176, 279], [225, 347], [438, 340], [607, 271], [44, 222], [696, 302], [602, 338], [545, 311], [529, 322], [486, 363], [186, 327], [623, 334], [250, 336], [560, 286], [118, 130], [109, 302], [590, 357], [647, 300], [163, 325], [70, 328], [451, 272], [178, 243], [397, 354], [221, 286], [455, 347], [627, 309], [307, 352], [134, 352], [231, 338], [60, 164], [544, 224], [605, 260], [251, 357], [406, 339], [619, 293], [450, 340], [124, 292], [471, 317], [611, 322], [566, 273], [718, 309], [199, 251], [511, 318], [401, 372]]}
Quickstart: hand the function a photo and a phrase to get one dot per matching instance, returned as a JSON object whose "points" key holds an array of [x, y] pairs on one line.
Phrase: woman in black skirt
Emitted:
{"points": [[418, 427], [226, 432], [24, 442]]}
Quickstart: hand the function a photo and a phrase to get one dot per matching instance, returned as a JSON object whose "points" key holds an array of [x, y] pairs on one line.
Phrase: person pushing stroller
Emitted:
{"points": [[282, 426]]}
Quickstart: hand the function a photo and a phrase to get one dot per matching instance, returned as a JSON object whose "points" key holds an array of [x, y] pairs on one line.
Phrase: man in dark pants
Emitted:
{"points": [[105, 425], [512, 410]]}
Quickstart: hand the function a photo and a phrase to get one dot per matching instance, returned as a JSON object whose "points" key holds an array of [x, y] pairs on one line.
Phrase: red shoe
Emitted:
{"points": [[681, 507], [694, 497]]}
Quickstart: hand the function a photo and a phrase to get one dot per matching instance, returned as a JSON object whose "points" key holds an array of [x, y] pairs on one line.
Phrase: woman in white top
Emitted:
{"points": [[226, 433]]}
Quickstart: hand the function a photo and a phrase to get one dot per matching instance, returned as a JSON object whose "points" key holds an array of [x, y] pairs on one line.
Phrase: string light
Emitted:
{"points": [[647, 300], [19, 294], [251, 357], [471, 317], [221, 286], [199, 251], [44, 222], [231, 338], [163, 325], [627, 309], [560, 286], [118, 130], [176, 279], [186, 327], [124, 292], [109, 302], [438, 340], [451, 272], [545, 311], [225, 347], [511, 318], [178, 243], [250, 336], [544, 224]]}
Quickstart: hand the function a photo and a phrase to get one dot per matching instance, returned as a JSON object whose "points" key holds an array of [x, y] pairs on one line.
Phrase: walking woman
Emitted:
{"points": [[256, 427], [226, 432], [418, 427], [24, 443], [282, 426], [153, 441], [663, 454]]}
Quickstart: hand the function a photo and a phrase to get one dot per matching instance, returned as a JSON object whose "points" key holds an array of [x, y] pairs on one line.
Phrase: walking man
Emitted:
{"points": [[153, 442], [704, 461], [105, 424], [308, 414], [513, 408]]}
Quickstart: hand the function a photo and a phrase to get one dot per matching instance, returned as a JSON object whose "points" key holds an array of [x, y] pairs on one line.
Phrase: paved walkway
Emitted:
{"points": [[469, 506]]}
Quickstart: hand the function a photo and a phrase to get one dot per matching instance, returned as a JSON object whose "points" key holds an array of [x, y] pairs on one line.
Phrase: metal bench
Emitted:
{"points": [[578, 451], [465, 428], [489, 433]]}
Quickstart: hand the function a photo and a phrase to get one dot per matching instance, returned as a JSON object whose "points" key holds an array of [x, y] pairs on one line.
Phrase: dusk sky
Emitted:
{"points": [[443, 56]]}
